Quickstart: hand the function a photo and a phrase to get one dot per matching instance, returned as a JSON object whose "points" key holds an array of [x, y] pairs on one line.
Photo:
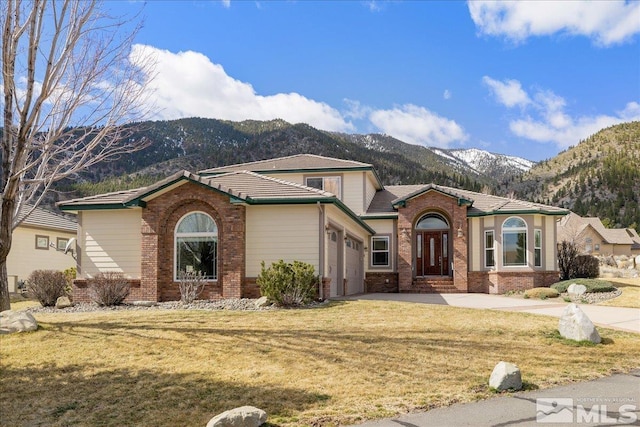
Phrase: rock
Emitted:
{"points": [[575, 289], [262, 302], [63, 302], [505, 376], [17, 321], [575, 325], [638, 262], [245, 416], [143, 303]]}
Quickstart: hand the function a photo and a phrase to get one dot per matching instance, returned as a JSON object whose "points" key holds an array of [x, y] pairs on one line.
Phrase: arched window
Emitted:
{"points": [[514, 242], [432, 221], [196, 245]]}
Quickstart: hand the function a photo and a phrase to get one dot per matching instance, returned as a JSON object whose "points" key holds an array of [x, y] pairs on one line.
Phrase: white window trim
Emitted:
{"points": [[516, 230], [175, 244], [388, 251], [536, 232], [493, 248]]}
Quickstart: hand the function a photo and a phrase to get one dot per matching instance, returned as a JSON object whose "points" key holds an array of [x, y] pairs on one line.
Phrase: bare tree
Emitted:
{"points": [[70, 80]]}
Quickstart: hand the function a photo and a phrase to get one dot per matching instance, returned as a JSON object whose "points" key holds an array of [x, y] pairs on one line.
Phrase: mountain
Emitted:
{"points": [[197, 143], [600, 177], [497, 166]]}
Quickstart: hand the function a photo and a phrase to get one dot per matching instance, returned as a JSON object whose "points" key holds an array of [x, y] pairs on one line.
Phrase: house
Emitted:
{"points": [[38, 243], [592, 237], [360, 236]]}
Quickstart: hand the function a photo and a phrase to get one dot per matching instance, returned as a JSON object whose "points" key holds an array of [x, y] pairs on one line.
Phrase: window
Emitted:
{"points": [[42, 242], [432, 222], [489, 249], [514, 242], [331, 184], [537, 248], [196, 245], [380, 251], [588, 246], [61, 243]]}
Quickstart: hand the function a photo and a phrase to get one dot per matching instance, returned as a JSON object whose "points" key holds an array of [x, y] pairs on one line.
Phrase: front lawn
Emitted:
{"points": [[339, 364], [630, 293]]}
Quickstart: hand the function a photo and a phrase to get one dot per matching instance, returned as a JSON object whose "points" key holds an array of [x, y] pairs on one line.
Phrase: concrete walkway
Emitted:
{"points": [[613, 400], [626, 319]]}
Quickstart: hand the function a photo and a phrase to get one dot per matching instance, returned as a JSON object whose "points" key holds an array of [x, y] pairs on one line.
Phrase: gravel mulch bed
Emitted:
{"points": [[593, 297], [238, 304]]}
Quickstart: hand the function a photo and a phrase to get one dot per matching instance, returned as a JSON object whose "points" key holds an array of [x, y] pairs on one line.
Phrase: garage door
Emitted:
{"points": [[354, 271], [334, 267]]}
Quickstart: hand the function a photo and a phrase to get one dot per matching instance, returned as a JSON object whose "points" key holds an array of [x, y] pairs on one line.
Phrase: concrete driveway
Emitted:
{"points": [[626, 319]]}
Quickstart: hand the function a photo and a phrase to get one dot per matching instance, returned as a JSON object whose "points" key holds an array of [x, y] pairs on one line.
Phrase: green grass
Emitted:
{"points": [[341, 364], [592, 285]]}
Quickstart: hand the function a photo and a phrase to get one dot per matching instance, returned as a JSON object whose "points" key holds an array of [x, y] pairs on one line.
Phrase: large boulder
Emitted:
{"points": [[576, 290], [505, 376], [262, 302], [575, 325], [17, 321], [244, 416]]}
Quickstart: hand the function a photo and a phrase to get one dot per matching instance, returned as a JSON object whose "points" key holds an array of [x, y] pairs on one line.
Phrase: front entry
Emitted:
{"points": [[432, 245], [432, 253]]}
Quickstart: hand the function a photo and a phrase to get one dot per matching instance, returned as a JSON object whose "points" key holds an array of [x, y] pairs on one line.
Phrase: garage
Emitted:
{"points": [[334, 266], [354, 266]]}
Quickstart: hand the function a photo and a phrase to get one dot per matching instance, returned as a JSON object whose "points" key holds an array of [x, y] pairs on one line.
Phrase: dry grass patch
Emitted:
{"points": [[340, 364], [630, 293]]}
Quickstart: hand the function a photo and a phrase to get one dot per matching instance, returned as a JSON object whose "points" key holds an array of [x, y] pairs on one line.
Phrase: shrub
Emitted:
{"points": [[567, 253], [108, 288], [46, 286], [585, 266], [541, 293], [191, 284], [288, 284], [70, 274], [593, 285]]}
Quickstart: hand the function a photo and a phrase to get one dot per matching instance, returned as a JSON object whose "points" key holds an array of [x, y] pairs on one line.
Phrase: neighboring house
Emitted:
{"points": [[335, 214], [39, 243], [592, 237]]}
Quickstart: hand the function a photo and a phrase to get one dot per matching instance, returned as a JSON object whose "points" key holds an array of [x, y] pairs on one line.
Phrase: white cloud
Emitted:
{"points": [[508, 93], [446, 94], [543, 118], [605, 22], [417, 125], [226, 3], [188, 84]]}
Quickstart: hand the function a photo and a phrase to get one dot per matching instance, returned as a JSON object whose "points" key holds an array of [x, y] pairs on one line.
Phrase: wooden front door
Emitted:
{"points": [[432, 253]]}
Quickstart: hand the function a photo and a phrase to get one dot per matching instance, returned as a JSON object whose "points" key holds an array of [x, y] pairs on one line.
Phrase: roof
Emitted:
{"points": [[43, 218], [614, 236], [241, 186], [298, 163], [480, 204]]}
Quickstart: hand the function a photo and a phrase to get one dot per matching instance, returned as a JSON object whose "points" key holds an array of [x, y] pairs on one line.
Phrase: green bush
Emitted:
{"points": [[541, 293], [108, 288], [288, 284], [593, 285], [47, 286]]}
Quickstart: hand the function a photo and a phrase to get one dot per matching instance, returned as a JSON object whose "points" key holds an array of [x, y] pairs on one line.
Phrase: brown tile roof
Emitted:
{"points": [[291, 163], [481, 204], [43, 218], [574, 224]]}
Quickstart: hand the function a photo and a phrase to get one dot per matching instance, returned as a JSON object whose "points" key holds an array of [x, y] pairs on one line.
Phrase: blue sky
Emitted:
{"points": [[519, 78]]}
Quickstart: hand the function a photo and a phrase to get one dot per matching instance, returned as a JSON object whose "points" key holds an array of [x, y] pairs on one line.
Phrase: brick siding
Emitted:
{"points": [[376, 282]]}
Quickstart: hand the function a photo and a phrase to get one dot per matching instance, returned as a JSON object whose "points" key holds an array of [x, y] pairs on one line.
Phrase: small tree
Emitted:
{"points": [[108, 288], [47, 286], [288, 284], [567, 253], [191, 284]]}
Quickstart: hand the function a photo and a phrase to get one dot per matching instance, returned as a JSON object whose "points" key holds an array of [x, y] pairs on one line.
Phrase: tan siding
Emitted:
{"points": [[111, 241], [383, 227], [281, 232], [370, 190], [549, 243], [24, 258], [352, 194], [476, 243]]}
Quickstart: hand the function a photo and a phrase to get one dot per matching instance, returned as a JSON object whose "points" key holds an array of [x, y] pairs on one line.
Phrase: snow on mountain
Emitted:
{"points": [[483, 161]]}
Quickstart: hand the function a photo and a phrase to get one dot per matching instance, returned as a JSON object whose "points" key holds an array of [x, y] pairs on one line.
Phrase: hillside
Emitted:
{"points": [[600, 177]]}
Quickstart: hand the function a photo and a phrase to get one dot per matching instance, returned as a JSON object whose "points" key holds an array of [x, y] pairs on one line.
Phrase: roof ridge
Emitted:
{"points": [[292, 184]]}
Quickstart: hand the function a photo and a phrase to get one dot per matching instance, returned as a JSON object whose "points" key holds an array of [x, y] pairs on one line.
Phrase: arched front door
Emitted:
{"points": [[432, 245]]}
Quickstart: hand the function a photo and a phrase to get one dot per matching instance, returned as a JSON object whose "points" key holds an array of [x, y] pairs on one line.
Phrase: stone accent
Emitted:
{"points": [[377, 282], [17, 321], [245, 416], [505, 376], [63, 302], [575, 325], [576, 290], [432, 201], [159, 220]]}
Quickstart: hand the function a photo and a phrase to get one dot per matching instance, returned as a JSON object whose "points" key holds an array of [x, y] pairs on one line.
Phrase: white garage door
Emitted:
{"points": [[354, 270]]}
